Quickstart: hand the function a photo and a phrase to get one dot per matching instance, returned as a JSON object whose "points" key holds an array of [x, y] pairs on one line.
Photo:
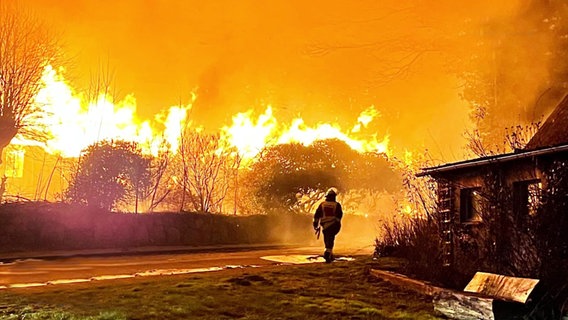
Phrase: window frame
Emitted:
{"points": [[470, 205], [14, 163], [522, 197]]}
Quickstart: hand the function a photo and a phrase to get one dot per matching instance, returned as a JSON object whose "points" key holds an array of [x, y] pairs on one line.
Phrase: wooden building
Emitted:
{"points": [[482, 203]]}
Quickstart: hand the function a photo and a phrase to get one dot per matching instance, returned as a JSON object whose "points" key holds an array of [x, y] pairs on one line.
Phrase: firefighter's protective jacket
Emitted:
{"points": [[327, 214]]}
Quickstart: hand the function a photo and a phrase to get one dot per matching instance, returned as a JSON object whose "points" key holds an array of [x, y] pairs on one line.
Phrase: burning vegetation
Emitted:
{"points": [[265, 131], [91, 148], [172, 158]]}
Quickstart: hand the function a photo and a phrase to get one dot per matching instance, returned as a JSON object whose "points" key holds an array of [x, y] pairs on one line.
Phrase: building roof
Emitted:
{"points": [[554, 131], [523, 154]]}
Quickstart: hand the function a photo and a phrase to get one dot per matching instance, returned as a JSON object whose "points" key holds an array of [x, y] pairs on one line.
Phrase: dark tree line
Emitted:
{"points": [[109, 172], [293, 176], [204, 171]]}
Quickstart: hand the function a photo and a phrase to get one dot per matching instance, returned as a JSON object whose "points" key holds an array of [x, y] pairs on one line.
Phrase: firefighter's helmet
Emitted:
{"points": [[331, 192]]}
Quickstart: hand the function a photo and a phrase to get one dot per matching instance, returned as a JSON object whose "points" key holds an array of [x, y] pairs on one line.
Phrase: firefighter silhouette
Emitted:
{"points": [[327, 219]]}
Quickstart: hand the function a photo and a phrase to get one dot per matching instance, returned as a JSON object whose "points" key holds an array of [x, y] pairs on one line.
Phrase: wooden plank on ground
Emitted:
{"points": [[451, 303], [502, 287], [404, 281]]}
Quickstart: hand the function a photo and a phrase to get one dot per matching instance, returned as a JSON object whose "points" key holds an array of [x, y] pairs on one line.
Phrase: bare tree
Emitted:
{"points": [[394, 51], [236, 183], [26, 48], [516, 137], [160, 188], [209, 167]]}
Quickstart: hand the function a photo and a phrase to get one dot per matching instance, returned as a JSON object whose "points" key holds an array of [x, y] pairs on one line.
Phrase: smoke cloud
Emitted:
{"points": [[415, 61]]}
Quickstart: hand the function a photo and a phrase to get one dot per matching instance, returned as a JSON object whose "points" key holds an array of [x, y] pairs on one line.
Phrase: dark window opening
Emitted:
{"points": [[527, 197], [470, 205]]}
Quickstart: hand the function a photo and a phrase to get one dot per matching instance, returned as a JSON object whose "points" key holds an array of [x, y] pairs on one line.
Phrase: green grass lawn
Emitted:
{"points": [[341, 290]]}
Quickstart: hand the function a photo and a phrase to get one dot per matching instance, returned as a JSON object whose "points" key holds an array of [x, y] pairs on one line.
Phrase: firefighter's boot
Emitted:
{"points": [[328, 256]]}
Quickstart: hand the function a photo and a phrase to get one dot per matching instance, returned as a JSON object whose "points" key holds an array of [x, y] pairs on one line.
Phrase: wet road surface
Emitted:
{"points": [[37, 272]]}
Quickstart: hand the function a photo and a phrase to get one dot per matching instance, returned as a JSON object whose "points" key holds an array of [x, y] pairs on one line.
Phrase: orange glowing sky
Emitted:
{"points": [[251, 53]]}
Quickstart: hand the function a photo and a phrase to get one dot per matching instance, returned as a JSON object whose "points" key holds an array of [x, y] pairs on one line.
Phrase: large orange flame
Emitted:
{"points": [[250, 136], [74, 123]]}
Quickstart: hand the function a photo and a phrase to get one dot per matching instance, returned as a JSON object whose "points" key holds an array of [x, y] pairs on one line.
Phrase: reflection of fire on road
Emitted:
{"points": [[302, 259], [147, 273], [284, 259]]}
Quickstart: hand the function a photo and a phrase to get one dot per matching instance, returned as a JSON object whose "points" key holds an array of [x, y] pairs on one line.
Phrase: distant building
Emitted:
{"points": [[469, 193], [33, 174]]}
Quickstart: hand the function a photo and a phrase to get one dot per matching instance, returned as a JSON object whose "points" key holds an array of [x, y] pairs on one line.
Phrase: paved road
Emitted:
{"points": [[28, 272]]}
